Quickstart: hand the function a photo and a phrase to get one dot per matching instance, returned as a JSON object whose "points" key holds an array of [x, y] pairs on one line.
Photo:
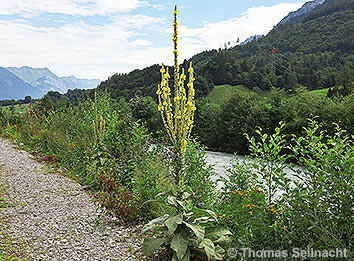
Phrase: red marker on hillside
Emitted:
{"points": [[274, 51]]}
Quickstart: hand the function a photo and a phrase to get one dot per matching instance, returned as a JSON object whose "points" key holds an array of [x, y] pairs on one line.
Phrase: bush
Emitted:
{"points": [[199, 176], [116, 199], [321, 210], [152, 177], [249, 207], [314, 211]]}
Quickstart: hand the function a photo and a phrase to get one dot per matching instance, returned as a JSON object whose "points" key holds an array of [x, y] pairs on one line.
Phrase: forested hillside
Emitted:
{"points": [[310, 52], [143, 83]]}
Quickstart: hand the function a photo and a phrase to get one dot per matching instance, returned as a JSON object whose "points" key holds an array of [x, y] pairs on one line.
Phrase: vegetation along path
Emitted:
{"points": [[50, 217]]}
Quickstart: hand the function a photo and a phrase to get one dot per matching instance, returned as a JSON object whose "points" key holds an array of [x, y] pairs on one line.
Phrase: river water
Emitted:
{"points": [[221, 161]]}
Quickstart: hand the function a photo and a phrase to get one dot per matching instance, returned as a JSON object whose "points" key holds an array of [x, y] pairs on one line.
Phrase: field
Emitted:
{"points": [[322, 92], [219, 91], [16, 108]]}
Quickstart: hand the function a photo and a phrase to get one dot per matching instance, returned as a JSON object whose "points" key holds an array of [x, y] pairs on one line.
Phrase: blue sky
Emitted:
{"points": [[97, 38]]}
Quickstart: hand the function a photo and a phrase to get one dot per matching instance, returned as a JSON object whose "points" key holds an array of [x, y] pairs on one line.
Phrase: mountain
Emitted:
{"points": [[310, 52], [29, 74], [251, 39], [12, 87], [50, 83], [329, 7], [71, 82], [45, 80], [305, 9]]}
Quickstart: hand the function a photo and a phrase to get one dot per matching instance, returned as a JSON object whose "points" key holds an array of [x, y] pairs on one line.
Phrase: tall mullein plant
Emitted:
{"points": [[177, 112], [187, 231]]}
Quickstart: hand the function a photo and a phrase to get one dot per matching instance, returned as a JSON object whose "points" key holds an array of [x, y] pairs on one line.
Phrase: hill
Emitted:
{"points": [[296, 16], [12, 87], [311, 46], [310, 53], [144, 82]]}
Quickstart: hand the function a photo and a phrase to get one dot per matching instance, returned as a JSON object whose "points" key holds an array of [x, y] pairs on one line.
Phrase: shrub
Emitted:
{"points": [[151, 177], [321, 209], [199, 176], [314, 211], [116, 199]]}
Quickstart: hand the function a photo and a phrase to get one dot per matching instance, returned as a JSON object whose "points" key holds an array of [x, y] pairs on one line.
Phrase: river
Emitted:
{"points": [[221, 161]]}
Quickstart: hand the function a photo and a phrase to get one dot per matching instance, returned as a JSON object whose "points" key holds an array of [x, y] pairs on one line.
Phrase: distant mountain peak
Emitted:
{"points": [[43, 80], [305, 9], [29, 74], [249, 39]]}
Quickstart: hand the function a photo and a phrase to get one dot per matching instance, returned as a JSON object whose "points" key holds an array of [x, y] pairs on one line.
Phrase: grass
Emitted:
{"points": [[219, 91], [322, 92], [16, 108]]}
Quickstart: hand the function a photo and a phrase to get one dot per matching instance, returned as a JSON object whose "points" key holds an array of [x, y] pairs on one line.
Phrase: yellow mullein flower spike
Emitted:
{"points": [[177, 111]]}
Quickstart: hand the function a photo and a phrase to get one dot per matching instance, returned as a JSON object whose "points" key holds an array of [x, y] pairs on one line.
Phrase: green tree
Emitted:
{"points": [[144, 109], [235, 120]]}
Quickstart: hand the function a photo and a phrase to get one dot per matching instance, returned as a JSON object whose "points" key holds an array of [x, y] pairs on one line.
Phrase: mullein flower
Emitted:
{"points": [[177, 112]]}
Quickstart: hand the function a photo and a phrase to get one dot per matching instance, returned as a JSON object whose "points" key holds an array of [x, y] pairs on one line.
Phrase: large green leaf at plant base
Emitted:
{"points": [[219, 253], [208, 247], [186, 257], [214, 233], [223, 240], [150, 245], [172, 201], [204, 213], [179, 244], [199, 231], [156, 224], [172, 222]]}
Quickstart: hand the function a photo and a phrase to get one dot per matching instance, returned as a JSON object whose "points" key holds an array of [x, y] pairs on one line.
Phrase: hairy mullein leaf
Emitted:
{"points": [[172, 222], [150, 245], [179, 244]]}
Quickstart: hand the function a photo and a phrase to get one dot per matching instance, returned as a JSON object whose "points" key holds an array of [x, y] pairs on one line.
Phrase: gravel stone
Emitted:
{"points": [[53, 218]]}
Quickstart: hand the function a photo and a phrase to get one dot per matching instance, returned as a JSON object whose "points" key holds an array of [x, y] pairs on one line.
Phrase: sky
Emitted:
{"points": [[98, 38]]}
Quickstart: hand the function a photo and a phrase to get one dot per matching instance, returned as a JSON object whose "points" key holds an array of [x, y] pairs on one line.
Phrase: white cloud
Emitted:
{"points": [[79, 49], [138, 21], [121, 46], [255, 21], [141, 42], [70, 7]]}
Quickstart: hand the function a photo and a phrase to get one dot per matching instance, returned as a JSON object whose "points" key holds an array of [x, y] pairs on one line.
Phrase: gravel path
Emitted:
{"points": [[50, 217]]}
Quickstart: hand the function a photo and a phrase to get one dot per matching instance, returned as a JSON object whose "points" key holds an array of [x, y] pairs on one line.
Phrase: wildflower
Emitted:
{"points": [[182, 106]]}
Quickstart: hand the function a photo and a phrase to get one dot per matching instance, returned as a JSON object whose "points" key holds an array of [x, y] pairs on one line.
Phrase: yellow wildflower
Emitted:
{"points": [[182, 106]]}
